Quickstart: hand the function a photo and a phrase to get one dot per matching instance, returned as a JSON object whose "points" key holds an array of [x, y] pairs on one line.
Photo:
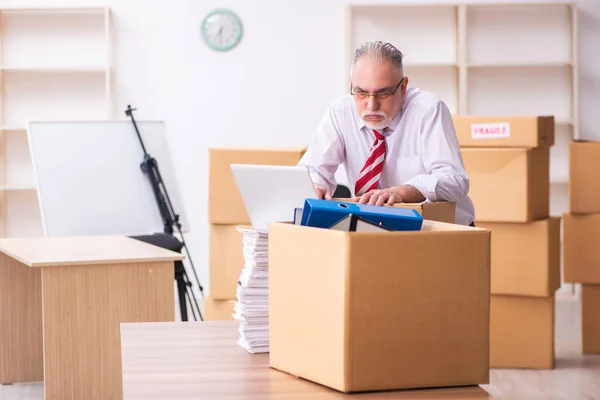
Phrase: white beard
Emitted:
{"points": [[384, 123]]}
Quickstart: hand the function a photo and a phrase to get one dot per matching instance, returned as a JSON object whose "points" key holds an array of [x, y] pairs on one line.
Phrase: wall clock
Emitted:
{"points": [[221, 30]]}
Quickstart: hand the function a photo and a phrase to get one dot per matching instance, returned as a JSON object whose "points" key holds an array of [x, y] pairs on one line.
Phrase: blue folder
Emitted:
{"points": [[326, 213]]}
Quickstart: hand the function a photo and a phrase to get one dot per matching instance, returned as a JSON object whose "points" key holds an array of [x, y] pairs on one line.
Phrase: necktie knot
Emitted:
{"points": [[378, 135]]}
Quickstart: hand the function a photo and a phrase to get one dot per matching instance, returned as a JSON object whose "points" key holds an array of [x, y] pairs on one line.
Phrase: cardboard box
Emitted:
{"points": [[522, 332], [525, 257], [225, 205], [441, 211], [509, 185], [504, 131], [376, 311], [584, 179], [590, 319], [581, 241], [226, 260], [218, 310]]}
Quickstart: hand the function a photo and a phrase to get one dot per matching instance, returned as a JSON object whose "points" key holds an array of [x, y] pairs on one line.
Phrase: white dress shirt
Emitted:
{"points": [[422, 150]]}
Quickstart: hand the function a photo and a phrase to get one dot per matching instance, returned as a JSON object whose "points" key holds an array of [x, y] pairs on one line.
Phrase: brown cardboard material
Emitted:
{"points": [[218, 310], [504, 131], [225, 205], [525, 257], [509, 185], [441, 211], [522, 332], [581, 241], [376, 311], [590, 319], [226, 260], [584, 180]]}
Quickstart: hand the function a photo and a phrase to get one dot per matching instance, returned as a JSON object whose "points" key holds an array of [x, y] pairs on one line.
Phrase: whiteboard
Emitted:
{"points": [[89, 179]]}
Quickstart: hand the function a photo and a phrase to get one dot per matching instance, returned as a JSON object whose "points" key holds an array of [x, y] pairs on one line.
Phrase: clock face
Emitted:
{"points": [[222, 30]]}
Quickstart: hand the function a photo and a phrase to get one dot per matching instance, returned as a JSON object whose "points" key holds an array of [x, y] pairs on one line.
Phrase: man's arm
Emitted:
{"points": [[446, 178], [325, 154]]}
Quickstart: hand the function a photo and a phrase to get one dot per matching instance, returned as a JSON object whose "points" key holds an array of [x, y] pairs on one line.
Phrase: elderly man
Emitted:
{"points": [[397, 144]]}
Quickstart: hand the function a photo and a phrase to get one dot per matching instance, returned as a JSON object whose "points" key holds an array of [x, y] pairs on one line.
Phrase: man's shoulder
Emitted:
{"points": [[422, 101]]}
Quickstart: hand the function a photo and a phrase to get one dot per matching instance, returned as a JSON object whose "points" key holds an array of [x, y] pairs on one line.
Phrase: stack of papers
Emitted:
{"points": [[252, 306]]}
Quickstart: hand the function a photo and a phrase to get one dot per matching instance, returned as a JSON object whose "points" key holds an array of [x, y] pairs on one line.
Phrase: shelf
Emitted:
{"points": [[18, 168], [67, 96], [22, 214], [440, 80], [54, 11], [563, 122], [10, 188], [522, 34], [487, 57], [55, 65], [559, 155], [563, 64], [77, 40], [559, 199], [409, 29], [54, 69], [513, 91], [430, 65]]}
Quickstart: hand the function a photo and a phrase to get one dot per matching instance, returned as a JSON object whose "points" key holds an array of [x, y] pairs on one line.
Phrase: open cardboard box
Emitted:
{"points": [[380, 311], [442, 211]]}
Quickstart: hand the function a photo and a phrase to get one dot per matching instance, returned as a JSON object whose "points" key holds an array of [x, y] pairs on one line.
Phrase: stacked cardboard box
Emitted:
{"points": [[581, 237], [508, 163], [226, 213]]}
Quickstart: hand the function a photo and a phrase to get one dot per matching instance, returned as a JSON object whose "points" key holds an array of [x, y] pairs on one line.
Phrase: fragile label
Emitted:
{"points": [[490, 131]]}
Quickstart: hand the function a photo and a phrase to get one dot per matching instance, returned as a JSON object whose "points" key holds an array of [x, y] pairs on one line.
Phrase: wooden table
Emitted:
{"points": [[201, 360], [62, 300]]}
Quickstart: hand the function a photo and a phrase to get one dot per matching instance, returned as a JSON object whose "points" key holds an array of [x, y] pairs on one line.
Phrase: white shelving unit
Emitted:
{"points": [[487, 58], [55, 64]]}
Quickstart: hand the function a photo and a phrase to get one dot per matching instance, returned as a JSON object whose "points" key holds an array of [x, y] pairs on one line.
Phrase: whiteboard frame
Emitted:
{"points": [[156, 145]]}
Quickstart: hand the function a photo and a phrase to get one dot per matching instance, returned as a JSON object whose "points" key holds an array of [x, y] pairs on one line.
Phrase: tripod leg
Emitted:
{"points": [[197, 306], [187, 293], [181, 290], [181, 295]]}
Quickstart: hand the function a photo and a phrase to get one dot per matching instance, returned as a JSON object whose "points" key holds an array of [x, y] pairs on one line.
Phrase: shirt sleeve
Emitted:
{"points": [[325, 153], [446, 178]]}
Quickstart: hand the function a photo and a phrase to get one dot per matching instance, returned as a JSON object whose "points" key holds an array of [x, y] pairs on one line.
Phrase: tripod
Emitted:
{"points": [[167, 240]]}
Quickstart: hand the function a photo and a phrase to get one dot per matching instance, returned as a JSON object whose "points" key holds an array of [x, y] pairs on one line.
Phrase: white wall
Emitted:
{"points": [[271, 90]]}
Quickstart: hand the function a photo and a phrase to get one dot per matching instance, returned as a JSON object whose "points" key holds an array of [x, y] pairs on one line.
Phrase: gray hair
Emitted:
{"points": [[379, 51]]}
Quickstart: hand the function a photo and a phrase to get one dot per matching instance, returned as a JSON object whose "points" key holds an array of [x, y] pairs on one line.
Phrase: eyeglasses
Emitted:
{"points": [[380, 95]]}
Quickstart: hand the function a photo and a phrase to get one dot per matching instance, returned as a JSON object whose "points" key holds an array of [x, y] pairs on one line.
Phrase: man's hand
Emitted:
{"points": [[323, 193], [395, 194]]}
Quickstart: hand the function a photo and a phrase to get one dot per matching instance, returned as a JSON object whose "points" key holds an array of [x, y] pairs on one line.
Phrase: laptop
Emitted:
{"points": [[271, 193]]}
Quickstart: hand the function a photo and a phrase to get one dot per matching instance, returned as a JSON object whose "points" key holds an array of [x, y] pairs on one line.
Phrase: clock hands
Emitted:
{"points": [[222, 30]]}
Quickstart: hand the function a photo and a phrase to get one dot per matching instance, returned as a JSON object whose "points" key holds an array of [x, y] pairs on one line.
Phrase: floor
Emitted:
{"points": [[576, 377]]}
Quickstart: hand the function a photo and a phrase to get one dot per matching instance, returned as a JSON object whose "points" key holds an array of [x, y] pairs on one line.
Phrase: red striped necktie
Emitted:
{"points": [[370, 173]]}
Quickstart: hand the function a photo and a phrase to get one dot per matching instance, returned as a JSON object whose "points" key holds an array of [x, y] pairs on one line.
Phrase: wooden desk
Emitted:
{"points": [[201, 360], [61, 303]]}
